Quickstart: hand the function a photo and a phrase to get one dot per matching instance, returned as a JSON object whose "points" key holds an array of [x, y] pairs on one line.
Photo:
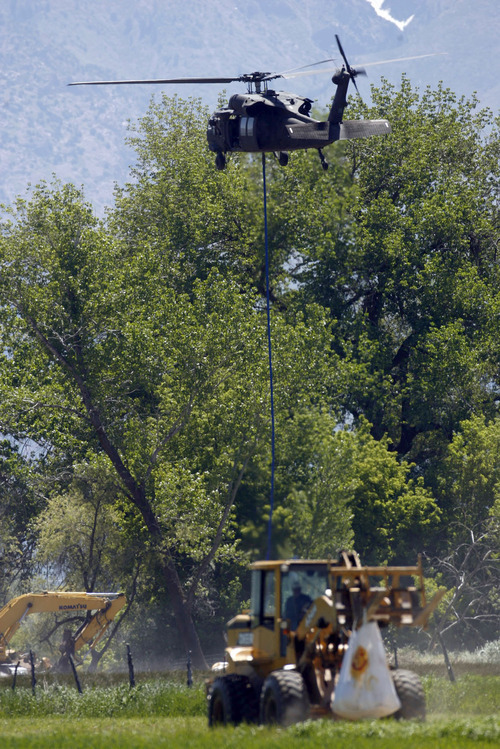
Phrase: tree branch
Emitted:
{"points": [[232, 491], [177, 426]]}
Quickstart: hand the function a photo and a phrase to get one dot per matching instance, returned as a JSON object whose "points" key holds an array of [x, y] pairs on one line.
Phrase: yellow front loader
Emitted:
{"points": [[284, 657], [99, 609]]}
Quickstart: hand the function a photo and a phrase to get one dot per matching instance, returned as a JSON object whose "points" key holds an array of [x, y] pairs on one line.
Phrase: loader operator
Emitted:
{"points": [[296, 605]]}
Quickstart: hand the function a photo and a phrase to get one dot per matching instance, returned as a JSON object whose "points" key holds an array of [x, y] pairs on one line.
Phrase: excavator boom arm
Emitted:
{"points": [[105, 606], [93, 630]]}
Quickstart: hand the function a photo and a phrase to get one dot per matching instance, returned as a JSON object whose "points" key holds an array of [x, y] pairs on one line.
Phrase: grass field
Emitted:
{"points": [[164, 713], [102, 733]]}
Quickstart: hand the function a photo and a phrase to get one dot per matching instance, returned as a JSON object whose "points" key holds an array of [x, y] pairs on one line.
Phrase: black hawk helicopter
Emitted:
{"points": [[264, 120]]}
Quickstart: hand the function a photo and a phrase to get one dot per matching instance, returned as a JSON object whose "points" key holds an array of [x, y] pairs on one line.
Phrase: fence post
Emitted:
{"points": [[77, 680], [449, 669], [33, 677], [14, 678], [189, 671], [131, 676]]}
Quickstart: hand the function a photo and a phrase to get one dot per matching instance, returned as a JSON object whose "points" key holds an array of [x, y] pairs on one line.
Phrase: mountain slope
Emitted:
{"points": [[79, 133]]}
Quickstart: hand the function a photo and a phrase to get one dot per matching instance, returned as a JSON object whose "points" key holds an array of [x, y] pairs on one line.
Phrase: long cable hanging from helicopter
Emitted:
{"points": [[267, 121]]}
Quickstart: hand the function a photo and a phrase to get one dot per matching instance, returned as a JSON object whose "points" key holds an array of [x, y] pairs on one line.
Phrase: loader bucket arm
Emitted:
{"points": [[379, 594]]}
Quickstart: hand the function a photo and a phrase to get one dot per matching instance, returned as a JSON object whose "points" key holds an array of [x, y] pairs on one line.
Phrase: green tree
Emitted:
{"points": [[394, 515], [315, 476], [18, 505], [85, 362], [342, 488], [468, 479], [426, 280], [178, 213], [403, 255], [79, 533], [81, 545], [102, 353], [196, 218]]}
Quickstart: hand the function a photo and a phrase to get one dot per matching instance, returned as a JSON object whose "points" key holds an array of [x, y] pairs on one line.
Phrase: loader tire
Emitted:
{"points": [[411, 695], [232, 699], [284, 699]]}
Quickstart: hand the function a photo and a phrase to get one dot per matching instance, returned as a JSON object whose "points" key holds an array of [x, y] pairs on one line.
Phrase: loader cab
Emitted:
{"points": [[282, 591]]}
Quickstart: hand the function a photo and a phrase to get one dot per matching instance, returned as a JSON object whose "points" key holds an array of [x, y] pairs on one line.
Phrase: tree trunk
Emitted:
{"points": [[183, 614]]}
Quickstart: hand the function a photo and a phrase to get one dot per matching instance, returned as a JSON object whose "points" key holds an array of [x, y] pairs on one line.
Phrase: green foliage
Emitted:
{"points": [[420, 297], [51, 253], [342, 488], [179, 214], [152, 698], [18, 505], [469, 475], [80, 533], [316, 512], [394, 514]]}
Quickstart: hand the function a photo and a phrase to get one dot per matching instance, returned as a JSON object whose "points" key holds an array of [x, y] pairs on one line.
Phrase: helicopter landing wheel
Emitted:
{"points": [[283, 158], [220, 161]]}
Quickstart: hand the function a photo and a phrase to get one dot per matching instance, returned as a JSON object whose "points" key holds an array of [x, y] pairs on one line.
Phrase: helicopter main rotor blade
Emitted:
{"points": [[357, 70], [257, 76], [402, 59], [157, 81], [299, 73]]}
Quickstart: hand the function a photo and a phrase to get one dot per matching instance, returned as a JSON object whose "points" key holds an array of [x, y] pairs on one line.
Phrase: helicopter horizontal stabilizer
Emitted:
{"points": [[363, 128]]}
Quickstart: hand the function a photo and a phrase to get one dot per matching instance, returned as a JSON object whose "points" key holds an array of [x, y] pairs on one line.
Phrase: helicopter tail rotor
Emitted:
{"points": [[352, 72], [342, 78]]}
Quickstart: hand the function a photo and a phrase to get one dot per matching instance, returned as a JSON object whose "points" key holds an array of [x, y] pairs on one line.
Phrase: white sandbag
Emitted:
{"points": [[365, 688]]}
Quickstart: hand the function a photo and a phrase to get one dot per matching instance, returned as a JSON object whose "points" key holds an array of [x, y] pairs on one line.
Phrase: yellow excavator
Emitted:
{"points": [[284, 657], [99, 608]]}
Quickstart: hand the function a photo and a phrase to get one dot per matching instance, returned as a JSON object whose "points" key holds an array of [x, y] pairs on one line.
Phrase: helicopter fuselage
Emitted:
{"points": [[266, 122], [279, 122]]}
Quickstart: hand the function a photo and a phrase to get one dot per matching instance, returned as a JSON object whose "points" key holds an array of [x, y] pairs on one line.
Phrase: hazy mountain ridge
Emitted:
{"points": [[79, 133]]}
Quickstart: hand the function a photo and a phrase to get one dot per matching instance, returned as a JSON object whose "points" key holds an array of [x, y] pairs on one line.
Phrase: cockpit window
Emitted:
{"points": [[300, 586]]}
